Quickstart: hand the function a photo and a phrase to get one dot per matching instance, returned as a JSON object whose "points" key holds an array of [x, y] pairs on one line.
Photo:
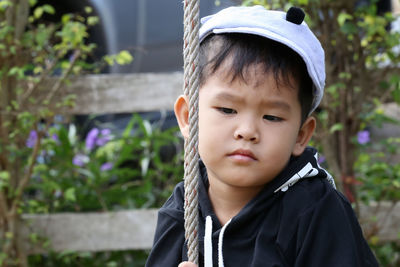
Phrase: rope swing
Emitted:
{"points": [[191, 90]]}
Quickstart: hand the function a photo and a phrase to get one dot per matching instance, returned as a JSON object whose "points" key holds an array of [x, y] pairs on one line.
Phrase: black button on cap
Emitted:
{"points": [[295, 15]]}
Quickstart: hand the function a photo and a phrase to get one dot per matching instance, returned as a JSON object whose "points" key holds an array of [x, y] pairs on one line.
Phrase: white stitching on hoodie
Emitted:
{"points": [[307, 171], [329, 176]]}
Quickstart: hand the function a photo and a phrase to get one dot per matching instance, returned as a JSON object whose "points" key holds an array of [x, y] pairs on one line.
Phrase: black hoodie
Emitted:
{"points": [[298, 219]]}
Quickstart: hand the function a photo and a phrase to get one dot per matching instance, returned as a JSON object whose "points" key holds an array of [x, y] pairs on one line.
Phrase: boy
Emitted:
{"points": [[263, 198]]}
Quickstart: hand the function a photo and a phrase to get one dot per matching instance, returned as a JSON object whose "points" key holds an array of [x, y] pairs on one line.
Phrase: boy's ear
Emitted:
{"points": [[181, 109], [304, 136]]}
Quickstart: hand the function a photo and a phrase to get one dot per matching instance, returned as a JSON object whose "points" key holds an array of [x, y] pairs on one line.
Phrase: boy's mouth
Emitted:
{"points": [[243, 154]]}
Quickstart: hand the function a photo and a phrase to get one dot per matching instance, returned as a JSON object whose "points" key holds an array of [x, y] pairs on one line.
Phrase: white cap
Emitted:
{"points": [[286, 28]]}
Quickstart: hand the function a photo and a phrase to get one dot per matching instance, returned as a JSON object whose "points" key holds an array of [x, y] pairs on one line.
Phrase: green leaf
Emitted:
{"points": [[42, 36], [345, 75], [65, 64], [4, 4], [69, 194], [13, 50], [343, 17], [9, 235], [336, 127], [109, 60], [15, 104], [34, 237], [92, 20], [38, 70], [129, 127], [66, 18], [396, 95], [49, 9], [4, 175], [4, 179], [112, 264], [124, 57], [88, 9], [144, 163], [395, 80], [147, 129], [16, 71], [38, 12]]}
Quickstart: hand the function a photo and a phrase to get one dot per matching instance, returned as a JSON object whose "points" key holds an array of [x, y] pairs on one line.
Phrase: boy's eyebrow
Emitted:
{"points": [[270, 103], [277, 104], [228, 97]]}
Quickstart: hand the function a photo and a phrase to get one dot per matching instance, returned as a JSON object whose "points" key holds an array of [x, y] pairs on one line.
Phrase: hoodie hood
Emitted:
{"points": [[298, 219], [305, 166]]}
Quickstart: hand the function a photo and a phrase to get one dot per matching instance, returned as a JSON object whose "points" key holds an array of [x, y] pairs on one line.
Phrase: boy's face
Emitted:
{"points": [[248, 131]]}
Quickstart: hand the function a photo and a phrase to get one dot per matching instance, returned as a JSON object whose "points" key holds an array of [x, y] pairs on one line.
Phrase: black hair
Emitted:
{"points": [[247, 50]]}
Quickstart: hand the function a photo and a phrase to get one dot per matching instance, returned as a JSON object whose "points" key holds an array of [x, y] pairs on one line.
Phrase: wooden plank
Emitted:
{"points": [[122, 93], [134, 229], [119, 230], [381, 220]]}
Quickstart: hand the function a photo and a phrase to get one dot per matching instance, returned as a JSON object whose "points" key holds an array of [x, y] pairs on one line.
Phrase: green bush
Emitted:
{"points": [[105, 171], [37, 59]]}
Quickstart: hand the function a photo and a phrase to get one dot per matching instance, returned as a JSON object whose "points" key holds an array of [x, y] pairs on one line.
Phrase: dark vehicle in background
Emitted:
{"points": [[151, 30]]}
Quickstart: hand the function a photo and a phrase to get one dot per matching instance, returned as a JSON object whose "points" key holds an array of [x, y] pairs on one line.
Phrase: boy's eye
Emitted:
{"points": [[227, 110], [272, 118]]}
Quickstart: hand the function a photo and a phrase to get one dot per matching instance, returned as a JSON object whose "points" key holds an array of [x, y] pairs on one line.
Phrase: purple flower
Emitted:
{"points": [[80, 160], [97, 138], [31, 141], [105, 132], [363, 137], [105, 136], [106, 166], [55, 138], [91, 138]]}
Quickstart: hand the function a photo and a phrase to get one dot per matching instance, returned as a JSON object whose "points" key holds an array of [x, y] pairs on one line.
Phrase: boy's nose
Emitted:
{"points": [[247, 132]]}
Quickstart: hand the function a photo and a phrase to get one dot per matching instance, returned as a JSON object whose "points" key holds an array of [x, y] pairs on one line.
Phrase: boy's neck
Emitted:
{"points": [[227, 201]]}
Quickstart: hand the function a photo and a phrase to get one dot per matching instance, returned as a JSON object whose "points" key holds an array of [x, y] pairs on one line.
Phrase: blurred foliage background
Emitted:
{"points": [[47, 165]]}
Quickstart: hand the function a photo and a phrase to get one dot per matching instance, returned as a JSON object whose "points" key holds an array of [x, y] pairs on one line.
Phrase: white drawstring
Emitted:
{"points": [[208, 260], [220, 240]]}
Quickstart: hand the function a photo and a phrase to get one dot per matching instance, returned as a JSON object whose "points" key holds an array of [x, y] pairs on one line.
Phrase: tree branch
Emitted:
{"points": [[57, 85], [33, 88], [21, 18], [25, 180]]}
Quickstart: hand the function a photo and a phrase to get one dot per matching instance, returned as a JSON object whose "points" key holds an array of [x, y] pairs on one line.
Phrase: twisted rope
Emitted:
{"points": [[191, 89]]}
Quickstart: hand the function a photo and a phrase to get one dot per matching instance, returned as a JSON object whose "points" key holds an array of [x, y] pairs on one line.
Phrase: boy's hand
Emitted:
{"points": [[187, 264]]}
